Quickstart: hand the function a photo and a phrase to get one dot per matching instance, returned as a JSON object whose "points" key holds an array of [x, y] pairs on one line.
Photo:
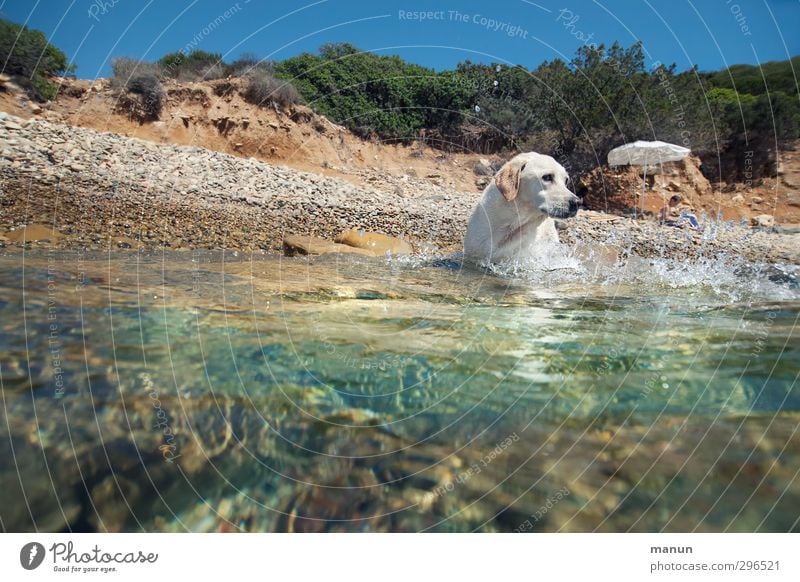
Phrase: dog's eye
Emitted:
{"points": [[523, 166], [547, 178]]}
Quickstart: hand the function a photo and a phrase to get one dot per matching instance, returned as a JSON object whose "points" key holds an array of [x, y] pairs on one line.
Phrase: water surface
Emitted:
{"points": [[209, 391]]}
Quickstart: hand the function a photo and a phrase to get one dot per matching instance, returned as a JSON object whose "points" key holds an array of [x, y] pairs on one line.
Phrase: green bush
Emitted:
{"points": [[42, 89], [753, 80], [30, 58], [372, 94], [753, 124]]}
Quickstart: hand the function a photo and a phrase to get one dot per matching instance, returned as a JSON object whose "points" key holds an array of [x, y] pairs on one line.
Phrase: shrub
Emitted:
{"points": [[576, 110], [246, 64], [123, 69], [212, 72], [42, 89], [29, 56], [148, 87], [753, 79], [368, 93], [264, 89], [192, 67], [141, 79]]}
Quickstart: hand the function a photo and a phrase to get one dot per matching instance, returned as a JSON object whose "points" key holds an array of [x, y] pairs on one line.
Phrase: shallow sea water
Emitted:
{"points": [[210, 391]]}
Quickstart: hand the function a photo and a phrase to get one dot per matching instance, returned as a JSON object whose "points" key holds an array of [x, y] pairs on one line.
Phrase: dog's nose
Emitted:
{"points": [[574, 202]]}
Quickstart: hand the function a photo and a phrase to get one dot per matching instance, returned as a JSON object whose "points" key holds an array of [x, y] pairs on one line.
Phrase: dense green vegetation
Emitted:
{"points": [[750, 79], [30, 59], [757, 112], [575, 110], [378, 95]]}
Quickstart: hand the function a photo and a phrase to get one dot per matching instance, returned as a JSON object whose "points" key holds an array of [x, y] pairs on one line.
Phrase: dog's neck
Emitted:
{"points": [[520, 230], [513, 234]]}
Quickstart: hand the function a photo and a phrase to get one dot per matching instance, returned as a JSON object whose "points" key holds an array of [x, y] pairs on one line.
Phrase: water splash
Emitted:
{"points": [[546, 260], [722, 276]]}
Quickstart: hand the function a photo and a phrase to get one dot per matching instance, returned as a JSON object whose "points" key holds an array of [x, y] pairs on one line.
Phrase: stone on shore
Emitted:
{"points": [[763, 221], [33, 233], [313, 245], [376, 242]]}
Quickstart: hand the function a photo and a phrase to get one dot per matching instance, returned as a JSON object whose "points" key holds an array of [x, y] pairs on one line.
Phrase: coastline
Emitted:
{"points": [[105, 191]]}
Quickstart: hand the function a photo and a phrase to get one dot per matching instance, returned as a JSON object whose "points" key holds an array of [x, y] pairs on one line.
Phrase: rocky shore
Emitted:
{"points": [[102, 190]]}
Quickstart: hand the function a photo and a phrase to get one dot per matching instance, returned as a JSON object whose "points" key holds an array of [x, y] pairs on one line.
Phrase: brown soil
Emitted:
{"points": [[214, 116]]}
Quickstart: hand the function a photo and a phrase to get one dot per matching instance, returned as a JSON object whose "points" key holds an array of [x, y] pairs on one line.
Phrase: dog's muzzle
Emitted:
{"points": [[564, 209]]}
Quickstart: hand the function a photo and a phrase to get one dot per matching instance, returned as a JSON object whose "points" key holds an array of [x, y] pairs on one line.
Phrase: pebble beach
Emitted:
{"points": [[73, 187]]}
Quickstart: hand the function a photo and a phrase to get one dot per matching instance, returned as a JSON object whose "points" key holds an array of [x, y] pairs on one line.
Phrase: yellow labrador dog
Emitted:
{"points": [[517, 209]]}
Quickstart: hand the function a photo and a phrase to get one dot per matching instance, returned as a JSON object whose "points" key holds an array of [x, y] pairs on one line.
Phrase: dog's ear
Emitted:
{"points": [[507, 179]]}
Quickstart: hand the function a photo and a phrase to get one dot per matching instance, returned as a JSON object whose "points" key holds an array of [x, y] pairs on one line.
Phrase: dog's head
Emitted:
{"points": [[539, 182]]}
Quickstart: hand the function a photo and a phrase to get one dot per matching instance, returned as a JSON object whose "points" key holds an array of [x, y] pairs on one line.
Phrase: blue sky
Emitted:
{"points": [[710, 33]]}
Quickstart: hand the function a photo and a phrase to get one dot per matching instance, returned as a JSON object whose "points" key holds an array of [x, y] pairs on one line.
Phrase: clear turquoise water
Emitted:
{"points": [[203, 391]]}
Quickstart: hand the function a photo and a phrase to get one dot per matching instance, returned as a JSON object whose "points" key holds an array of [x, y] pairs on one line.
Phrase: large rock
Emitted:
{"points": [[619, 188], [793, 197], [763, 221], [483, 167], [313, 245], [378, 243]]}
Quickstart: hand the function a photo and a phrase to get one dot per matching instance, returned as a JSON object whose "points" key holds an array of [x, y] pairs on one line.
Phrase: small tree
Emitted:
{"points": [[30, 58]]}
